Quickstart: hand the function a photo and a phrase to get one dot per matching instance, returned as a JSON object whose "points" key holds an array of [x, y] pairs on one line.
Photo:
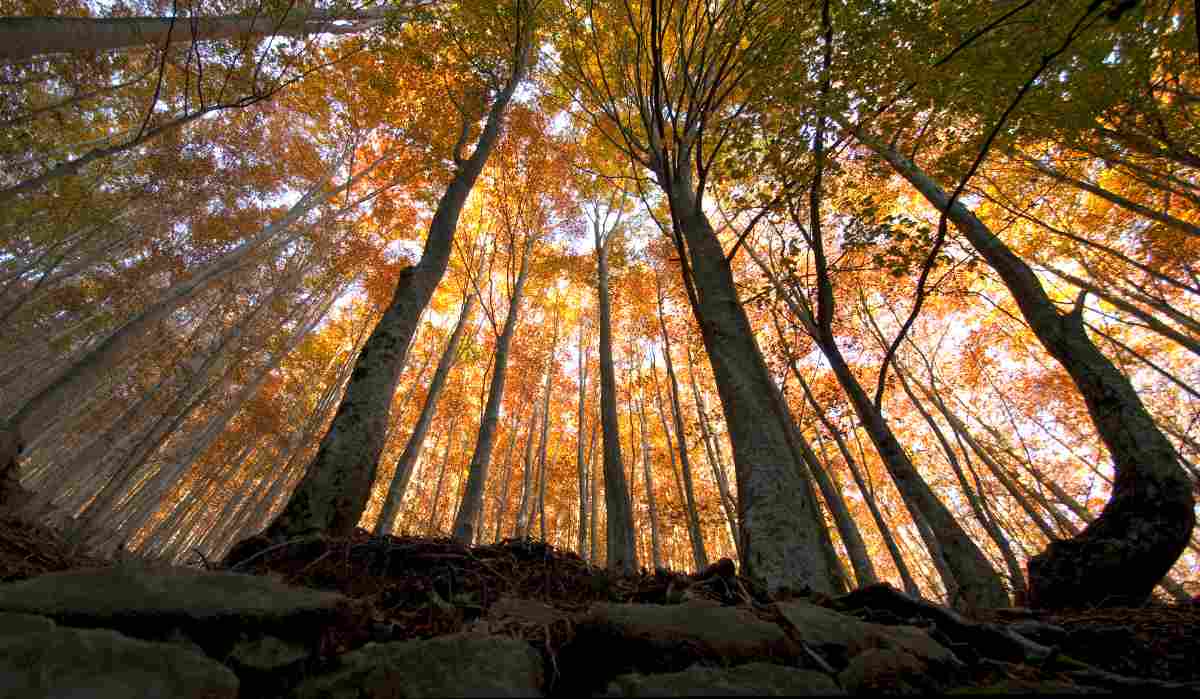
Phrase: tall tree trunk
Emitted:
{"points": [[464, 523], [1119, 557], [622, 548], [416, 440], [593, 485], [337, 484], [502, 501], [23, 38], [777, 527]]}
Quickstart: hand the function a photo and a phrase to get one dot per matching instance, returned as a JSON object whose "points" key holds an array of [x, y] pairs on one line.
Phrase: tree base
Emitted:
{"points": [[12, 495], [1116, 561]]}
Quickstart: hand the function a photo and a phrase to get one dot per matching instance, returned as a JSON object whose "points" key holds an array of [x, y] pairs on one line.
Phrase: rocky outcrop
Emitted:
{"points": [[135, 631]]}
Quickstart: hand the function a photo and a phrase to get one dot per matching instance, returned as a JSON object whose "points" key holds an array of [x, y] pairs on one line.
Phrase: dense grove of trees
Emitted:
{"points": [[846, 290]]}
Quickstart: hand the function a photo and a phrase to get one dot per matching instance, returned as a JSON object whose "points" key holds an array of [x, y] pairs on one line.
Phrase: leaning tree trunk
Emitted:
{"points": [[581, 464], [1120, 556], [622, 548], [464, 523], [416, 441], [780, 545], [23, 38], [337, 484]]}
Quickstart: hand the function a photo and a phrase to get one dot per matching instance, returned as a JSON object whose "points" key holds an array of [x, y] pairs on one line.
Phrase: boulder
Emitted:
{"points": [[214, 609], [40, 659], [750, 680], [459, 665]]}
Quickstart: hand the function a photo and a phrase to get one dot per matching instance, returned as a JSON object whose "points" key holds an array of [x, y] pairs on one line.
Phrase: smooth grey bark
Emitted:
{"points": [[778, 528], [477, 472], [1120, 556], [622, 547], [431, 525], [651, 504], [337, 484], [416, 441], [23, 38]]}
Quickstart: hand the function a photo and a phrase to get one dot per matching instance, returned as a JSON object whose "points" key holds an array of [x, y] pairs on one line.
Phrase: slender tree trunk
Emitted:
{"points": [[1147, 522], [42, 411], [502, 501], [695, 534], [337, 484], [416, 440], [713, 454], [622, 548], [594, 480], [655, 546], [431, 526], [464, 523], [521, 528], [580, 455]]}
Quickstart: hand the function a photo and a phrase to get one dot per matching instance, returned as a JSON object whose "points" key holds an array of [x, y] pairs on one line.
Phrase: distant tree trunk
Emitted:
{"points": [[580, 455], [502, 501], [593, 484], [967, 573], [696, 536], [335, 489], [1118, 558], [622, 548], [713, 454], [910, 585], [416, 441], [431, 527], [521, 528], [686, 497], [464, 523], [42, 411], [655, 546], [23, 38]]}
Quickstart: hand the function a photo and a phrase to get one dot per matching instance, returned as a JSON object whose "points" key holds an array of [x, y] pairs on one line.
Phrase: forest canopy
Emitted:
{"points": [[890, 290]]}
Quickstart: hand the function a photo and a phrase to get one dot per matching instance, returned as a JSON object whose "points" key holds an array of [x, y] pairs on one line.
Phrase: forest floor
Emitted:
{"points": [[419, 588]]}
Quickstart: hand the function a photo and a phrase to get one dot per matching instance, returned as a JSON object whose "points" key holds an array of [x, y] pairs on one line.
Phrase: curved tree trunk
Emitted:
{"points": [[1120, 556]]}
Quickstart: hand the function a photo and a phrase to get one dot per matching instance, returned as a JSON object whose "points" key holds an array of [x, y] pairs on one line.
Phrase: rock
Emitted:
{"points": [[838, 637], [886, 671], [268, 666], [457, 665], [681, 634], [753, 679], [525, 611], [211, 608], [39, 659], [616, 639]]}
